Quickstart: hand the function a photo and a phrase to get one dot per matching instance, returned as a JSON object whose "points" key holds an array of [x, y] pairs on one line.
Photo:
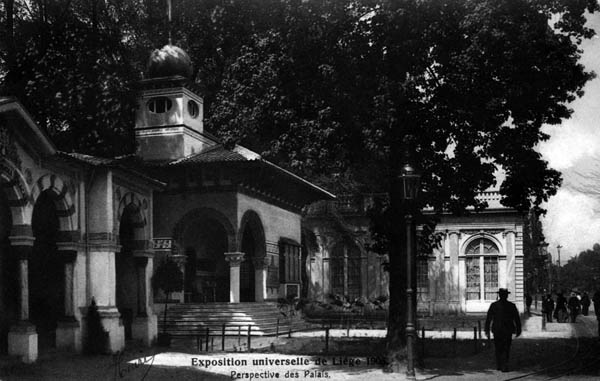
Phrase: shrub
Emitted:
{"points": [[96, 339]]}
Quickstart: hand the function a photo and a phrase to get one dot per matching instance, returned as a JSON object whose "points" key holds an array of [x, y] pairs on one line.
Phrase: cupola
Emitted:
{"points": [[169, 121]]}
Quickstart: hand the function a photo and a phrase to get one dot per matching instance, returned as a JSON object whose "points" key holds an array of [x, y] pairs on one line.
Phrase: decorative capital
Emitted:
{"points": [[234, 258], [261, 262]]}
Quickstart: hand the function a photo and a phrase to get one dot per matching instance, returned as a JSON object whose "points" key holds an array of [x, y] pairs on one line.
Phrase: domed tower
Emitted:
{"points": [[169, 120]]}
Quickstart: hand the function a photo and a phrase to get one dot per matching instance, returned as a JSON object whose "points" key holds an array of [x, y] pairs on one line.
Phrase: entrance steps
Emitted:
{"points": [[192, 319]]}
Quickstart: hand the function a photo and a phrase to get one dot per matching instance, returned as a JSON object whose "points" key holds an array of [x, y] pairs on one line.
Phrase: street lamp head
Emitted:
{"points": [[410, 182]]}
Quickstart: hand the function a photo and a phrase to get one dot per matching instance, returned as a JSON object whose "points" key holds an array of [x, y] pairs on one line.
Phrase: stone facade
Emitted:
{"points": [[61, 238]]}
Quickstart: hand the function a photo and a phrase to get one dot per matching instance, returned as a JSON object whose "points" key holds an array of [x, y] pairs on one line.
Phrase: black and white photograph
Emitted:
{"points": [[299, 190]]}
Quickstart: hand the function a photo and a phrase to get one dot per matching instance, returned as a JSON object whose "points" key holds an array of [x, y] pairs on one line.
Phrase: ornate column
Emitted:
{"points": [[22, 337], [453, 287], [261, 266], [101, 270], [145, 326], [234, 259], [68, 332]]}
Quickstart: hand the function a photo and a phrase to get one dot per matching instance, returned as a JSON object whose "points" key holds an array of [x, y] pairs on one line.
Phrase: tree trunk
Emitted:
{"points": [[396, 335]]}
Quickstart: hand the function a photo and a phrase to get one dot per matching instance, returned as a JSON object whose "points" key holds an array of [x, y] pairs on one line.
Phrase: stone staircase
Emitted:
{"points": [[191, 319]]}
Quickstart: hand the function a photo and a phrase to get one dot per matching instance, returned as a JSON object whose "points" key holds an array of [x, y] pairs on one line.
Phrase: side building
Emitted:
{"points": [[477, 254]]}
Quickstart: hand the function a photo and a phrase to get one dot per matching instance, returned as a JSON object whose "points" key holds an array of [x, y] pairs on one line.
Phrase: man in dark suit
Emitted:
{"points": [[504, 318]]}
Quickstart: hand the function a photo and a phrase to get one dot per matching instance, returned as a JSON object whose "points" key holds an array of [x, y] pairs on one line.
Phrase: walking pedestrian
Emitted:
{"points": [[596, 300], [548, 307], [528, 301], [503, 317], [574, 307], [585, 304], [560, 313]]}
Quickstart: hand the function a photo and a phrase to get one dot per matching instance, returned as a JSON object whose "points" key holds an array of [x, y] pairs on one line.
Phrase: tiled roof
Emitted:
{"points": [[215, 154], [126, 163], [88, 159]]}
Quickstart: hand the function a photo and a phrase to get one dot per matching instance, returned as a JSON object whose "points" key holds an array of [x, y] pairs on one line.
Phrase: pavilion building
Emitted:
{"points": [[76, 228]]}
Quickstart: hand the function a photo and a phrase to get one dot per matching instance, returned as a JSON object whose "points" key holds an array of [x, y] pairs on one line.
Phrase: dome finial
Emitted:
{"points": [[168, 62]]}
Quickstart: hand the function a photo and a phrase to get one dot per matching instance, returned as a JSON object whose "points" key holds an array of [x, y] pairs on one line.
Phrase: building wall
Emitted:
{"points": [[443, 288], [448, 268]]}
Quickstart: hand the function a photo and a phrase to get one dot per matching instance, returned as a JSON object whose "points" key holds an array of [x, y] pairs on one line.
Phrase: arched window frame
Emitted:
{"points": [[481, 269], [346, 270]]}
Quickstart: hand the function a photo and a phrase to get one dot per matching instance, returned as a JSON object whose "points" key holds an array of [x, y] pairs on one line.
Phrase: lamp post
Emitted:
{"points": [[558, 247], [543, 251], [410, 182], [543, 254]]}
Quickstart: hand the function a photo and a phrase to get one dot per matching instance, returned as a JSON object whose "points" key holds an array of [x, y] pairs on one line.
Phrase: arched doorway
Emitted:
{"points": [[46, 271], [252, 239], [247, 275], [126, 276], [206, 273], [9, 281]]}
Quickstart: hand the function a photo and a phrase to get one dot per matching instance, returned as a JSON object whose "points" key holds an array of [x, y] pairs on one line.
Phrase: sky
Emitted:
{"points": [[573, 214]]}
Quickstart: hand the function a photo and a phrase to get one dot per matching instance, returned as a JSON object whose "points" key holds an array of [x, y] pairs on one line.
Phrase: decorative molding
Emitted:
{"points": [[162, 243], [70, 246], [22, 240], [143, 254], [100, 236], [21, 230], [481, 231]]}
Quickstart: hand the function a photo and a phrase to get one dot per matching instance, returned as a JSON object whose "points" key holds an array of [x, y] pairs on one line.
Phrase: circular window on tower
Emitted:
{"points": [[159, 105], [193, 109]]}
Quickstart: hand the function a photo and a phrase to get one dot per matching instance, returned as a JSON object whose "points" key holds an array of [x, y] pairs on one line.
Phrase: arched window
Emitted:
{"points": [[482, 269], [345, 269]]}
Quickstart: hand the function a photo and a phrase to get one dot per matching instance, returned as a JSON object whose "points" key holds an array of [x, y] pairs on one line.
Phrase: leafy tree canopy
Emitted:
{"points": [[581, 273]]}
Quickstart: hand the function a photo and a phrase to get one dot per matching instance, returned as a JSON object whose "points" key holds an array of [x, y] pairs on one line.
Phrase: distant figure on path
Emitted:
{"points": [[528, 302], [574, 307], [504, 319], [560, 313], [548, 307], [596, 300], [585, 304]]}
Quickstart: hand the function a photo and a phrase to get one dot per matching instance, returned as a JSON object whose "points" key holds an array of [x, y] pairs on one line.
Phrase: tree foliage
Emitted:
{"points": [[581, 273], [168, 277]]}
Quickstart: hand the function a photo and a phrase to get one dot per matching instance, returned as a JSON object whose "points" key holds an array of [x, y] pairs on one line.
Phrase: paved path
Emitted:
{"points": [[534, 351]]}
